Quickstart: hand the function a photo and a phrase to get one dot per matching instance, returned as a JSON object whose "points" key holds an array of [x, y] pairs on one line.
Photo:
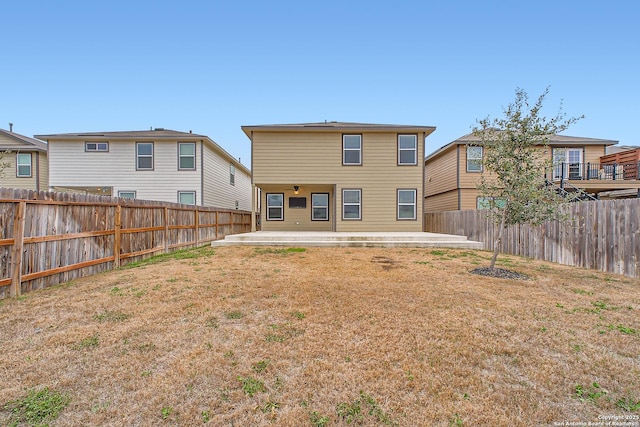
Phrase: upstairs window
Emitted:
{"points": [[407, 149], [23, 165], [144, 155], [96, 146], [187, 156], [351, 149], [232, 174], [474, 158]]}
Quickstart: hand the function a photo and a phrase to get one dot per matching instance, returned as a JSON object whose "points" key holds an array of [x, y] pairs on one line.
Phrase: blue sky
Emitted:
{"points": [[212, 66]]}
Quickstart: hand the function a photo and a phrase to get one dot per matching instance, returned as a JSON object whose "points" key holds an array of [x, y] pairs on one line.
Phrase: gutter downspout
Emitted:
{"points": [[458, 174], [37, 171]]}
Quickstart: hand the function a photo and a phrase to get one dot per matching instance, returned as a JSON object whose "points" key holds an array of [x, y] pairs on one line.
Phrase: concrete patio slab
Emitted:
{"points": [[349, 239]]}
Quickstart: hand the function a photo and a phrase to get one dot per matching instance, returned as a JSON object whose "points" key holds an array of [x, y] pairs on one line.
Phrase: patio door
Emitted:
{"points": [[567, 163]]}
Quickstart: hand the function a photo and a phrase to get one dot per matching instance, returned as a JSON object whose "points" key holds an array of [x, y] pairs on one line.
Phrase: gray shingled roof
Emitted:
{"points": [[31, 143], [333, 126], [553, 140], [154, 133]]}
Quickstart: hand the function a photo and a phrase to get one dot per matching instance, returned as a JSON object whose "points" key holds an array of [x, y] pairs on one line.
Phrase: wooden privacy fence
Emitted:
{"points": [[51, 238], [602, 235]]}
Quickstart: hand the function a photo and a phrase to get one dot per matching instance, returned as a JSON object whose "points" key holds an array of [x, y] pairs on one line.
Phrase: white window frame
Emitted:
{"points": [[232, 174], [23, 164], [280, 207], [345, 150], [186, 156], [144, 156], [414, 150], [184, 193], [95, 146], [324, 207], [413, 204], [358, 203], [123, 194], [475, 159]]}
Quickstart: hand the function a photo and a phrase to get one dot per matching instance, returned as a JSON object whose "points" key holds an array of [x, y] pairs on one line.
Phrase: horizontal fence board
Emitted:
{"points": [[62, 236], [600, 235]]}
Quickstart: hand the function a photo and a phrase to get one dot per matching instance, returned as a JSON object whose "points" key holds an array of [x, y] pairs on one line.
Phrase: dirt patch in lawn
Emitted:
{"points": [[327, 337]]}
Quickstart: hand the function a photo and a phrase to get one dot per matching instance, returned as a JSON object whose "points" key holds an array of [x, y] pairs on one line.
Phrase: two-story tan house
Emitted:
{"points": [[337, 176], [25, 161], [453, 172], [157, 164]]}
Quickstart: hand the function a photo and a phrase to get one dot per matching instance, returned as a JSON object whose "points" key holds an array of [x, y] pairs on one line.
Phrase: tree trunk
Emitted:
{"points": [[498, 243]]}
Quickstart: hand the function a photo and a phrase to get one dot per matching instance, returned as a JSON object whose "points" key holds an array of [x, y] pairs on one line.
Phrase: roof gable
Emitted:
{"points": [[16, 142]]}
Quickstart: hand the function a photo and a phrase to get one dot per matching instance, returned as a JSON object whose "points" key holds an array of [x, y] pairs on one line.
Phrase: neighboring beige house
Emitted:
{"points": [[453, 172], [26, 162], [160, 164], [337, 176]]}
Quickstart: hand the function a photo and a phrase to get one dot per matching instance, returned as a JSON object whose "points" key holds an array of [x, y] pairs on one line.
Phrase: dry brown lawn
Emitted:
{"points": [[243, 336]]}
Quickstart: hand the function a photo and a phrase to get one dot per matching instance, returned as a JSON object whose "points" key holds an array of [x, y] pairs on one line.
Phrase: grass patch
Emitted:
{"points": [[251, 386], [279, 251], [590, 393], [236, 314], [90, 342], [363, 406], [37, 408], [260, 366], [111, 316], [178, 255]]}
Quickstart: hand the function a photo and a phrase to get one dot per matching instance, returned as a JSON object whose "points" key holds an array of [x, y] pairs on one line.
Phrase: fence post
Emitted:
{"points": [[197, 224], [166, 229], [117, 227], [16, 253], [216, 225]]}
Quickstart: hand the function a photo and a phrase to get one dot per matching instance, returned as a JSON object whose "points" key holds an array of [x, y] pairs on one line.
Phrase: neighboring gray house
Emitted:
{"points": [[160, 164], [25, 160]]}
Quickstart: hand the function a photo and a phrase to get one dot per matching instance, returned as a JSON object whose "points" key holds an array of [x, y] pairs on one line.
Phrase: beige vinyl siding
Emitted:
{"points": [[71, 166], [298, 158], [218, 190], [467, 179], [447, 201], [469, 198], [44, 171], [441, 173], [38, 180]]}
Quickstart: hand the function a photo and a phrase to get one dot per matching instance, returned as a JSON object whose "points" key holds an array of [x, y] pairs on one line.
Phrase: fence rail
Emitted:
{"points": [[51, 238], [601, 235]]}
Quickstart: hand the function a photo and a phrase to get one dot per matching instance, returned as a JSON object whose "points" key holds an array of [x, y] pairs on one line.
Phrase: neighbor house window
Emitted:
{"points": [[126, 194], [351, 149], [275, 207], [474, 159], [319, 207], [23, 165], [187, 156], [96, 146], [407, 204], [187, 197], [144, 155], [489, 203], [351, 204], [232, 174], [407, 149]]}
